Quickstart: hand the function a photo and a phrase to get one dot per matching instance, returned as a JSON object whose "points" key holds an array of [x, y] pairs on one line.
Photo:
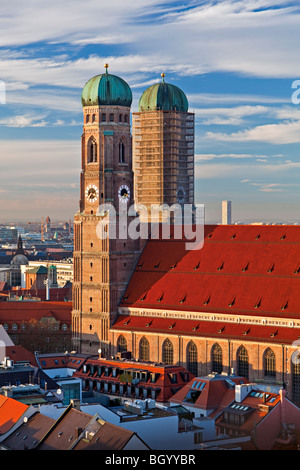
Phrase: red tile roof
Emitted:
{"points": [[213, 392], [19, 354], [258, 407], [240, 269], [10, 412], [162, 379], [201, 328], [52, 361]]}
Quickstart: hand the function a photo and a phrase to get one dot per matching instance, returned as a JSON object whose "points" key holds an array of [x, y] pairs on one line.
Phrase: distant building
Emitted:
{"points": [[38, 325], [131, 379], [203, 395], [64, 271], [226, 213], [28, 429]]}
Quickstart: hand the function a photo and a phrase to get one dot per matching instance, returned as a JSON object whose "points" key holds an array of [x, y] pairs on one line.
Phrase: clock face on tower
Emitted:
{"points": [[124, 193], [92, 193]]}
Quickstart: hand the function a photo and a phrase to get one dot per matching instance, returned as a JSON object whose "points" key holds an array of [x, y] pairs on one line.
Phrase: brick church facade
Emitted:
{"points": [[231, 306]]}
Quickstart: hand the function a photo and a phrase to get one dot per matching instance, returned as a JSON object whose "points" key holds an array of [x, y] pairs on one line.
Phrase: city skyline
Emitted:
{"points": [[236, 61]]}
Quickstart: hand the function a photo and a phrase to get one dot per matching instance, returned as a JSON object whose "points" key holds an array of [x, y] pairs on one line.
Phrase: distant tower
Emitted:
{"points": [[48, 224], [226, 213], [42, 229], [20, 257], [163, 147], [102, 267]]}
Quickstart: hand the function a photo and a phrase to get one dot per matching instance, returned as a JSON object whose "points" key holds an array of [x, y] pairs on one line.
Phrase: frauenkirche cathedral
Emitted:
{"points": [[232, 306]]}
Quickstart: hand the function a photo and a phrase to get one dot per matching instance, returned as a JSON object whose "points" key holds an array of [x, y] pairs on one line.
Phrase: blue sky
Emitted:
{"points": [[236, 60]]}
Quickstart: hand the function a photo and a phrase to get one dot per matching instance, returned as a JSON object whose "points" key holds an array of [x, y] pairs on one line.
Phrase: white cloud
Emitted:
{"points": [[231, 115], [26, 120], [212, 156], [189, 39], [282, 133]]}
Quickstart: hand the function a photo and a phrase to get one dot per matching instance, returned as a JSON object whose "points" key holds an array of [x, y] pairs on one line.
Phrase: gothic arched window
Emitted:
{"points": [[243, 362], [269, 363], [217, 359], [122, 344], [192, 358], [144, 350], [167, 352]]}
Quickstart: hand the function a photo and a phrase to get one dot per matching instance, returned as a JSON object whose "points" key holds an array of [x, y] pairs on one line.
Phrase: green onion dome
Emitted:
{"points": [[106, 90], [163, 96]]}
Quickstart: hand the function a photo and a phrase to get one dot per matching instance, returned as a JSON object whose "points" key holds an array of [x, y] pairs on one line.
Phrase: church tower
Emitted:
{"points": [[163, 147], [103, 262]]}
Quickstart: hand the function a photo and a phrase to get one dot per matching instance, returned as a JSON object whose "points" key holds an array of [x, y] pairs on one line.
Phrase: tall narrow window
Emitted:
{"points": [[295, 369], [144, 349], [121, 152], [217, 359], [122, 344], [192, 358], [167, 352], [269, 363], [92, 151], [242, 362]]}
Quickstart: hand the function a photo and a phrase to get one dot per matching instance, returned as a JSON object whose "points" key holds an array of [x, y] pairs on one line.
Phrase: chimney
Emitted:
{"points": [[282, 405], [241, 391], [75, 402], [78, 431]]}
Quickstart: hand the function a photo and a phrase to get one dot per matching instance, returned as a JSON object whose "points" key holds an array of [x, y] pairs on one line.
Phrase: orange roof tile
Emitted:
{"points": [[10, 412]]}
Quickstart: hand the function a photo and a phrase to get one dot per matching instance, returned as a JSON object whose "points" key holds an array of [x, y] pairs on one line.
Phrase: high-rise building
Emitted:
{"points": [[226, 213], [102, 262], [163, 147]]}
